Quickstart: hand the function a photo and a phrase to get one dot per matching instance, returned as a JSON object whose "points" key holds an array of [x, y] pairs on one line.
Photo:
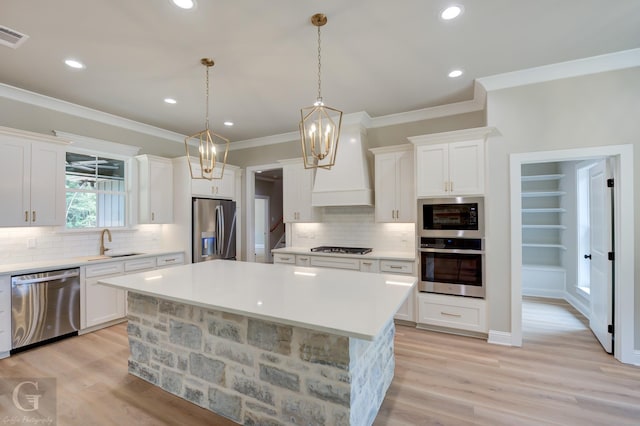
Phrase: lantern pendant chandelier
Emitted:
{"points": [[212, 148], [319, 124]]}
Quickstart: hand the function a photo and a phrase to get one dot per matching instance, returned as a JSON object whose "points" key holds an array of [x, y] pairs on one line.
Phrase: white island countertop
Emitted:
{"points": [[348, 303]]}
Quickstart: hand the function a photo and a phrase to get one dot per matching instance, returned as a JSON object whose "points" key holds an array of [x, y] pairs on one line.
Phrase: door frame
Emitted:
{"points": [[250, 193], [267, 226], [624, 300]]}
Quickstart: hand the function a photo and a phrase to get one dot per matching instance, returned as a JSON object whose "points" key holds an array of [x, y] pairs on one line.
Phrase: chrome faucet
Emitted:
{"points": [[102, 249]]}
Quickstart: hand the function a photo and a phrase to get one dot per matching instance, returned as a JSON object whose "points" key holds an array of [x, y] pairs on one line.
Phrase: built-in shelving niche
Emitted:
{"points": [[543, 225]]}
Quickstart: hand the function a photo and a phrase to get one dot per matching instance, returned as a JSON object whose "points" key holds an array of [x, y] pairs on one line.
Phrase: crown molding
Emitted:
{"points": [[93, 145], [32, 98], [592, 65], [25, 134], [428, 113]]}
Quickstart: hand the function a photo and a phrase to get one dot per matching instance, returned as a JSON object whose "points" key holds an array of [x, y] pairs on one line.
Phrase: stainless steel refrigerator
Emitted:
{"points": [[214, 229]]}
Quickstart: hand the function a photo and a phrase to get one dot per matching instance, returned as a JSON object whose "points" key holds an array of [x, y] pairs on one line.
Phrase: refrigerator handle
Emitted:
{"points": [[219, 229]]}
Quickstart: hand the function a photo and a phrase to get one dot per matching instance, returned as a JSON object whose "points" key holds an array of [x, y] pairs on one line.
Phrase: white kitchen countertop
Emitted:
{"points": [[348, 303], [74, 262], [375, 254]]}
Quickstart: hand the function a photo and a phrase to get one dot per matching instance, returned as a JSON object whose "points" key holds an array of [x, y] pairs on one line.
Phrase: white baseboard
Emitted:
{"points": [[499, 338], [4, 354], [636, 358], [576, 303], [542, 292]]}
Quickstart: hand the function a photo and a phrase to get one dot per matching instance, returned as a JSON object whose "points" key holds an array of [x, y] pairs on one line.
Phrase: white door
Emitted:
{"points": [[261, 229], [601, 267]]}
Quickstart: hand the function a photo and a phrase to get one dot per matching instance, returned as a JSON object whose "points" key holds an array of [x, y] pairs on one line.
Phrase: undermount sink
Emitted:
{"points": [[122, 254], [112, 256]]}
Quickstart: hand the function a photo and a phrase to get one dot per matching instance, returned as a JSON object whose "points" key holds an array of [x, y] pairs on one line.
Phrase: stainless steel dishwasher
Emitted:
{"points": [[44, 306]]}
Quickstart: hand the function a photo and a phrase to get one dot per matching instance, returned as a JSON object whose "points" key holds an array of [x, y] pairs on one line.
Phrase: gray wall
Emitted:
{"points": [[18, 115], [588, 111]]}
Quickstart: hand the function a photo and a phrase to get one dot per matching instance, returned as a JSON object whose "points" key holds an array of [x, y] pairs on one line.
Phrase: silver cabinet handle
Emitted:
{"points": [[447, 314], [285, 258], [395, 267], [304, 258], [33, 216], [451, 186], [26, 216], [153, 216]]}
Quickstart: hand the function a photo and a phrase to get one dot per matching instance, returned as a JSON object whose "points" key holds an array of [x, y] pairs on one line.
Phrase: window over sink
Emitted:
{"points": [[96, 194]]}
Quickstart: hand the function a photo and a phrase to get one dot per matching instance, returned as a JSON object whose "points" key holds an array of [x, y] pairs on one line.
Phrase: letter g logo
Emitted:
{"points": [[32, 399]]}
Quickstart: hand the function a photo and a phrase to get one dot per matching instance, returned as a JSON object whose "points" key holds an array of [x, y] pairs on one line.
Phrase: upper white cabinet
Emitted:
{"points": [[155, 180], [216, 188], [394, 184], [450, 163], [32, 172], [297, 184]]}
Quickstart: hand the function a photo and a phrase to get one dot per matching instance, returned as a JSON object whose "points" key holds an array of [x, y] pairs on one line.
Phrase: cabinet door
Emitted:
{"points": [[15, 160], [103, 303], [405, 192], [47, 185], [161, 191], [406, 312], [466, 168], [386, 185], [227, 185], [296, 187], [432, 170]]}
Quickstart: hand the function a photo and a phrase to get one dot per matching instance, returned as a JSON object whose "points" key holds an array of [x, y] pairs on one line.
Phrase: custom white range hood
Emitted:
{"points": [[347, 183]]}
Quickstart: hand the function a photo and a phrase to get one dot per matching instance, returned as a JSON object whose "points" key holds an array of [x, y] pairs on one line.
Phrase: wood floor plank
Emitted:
{"points": [[561, 376]]}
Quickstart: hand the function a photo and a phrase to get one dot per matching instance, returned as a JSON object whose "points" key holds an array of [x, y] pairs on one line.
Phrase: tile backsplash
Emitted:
{"points": [[21, 245], [353, 227]]}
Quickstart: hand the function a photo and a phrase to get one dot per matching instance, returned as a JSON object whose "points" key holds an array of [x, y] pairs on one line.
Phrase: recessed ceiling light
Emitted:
{"points": [[74, 64], [451, 12], [455, 73], [184, 4], [228, 123], [170, 100]]}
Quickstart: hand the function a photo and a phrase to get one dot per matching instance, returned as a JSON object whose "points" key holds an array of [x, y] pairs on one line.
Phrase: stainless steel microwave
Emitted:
{"points": [[455, 217]]}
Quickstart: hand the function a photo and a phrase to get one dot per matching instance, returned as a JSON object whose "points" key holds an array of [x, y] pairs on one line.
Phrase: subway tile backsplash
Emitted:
{"points": [[353, 227], [22, 245]]}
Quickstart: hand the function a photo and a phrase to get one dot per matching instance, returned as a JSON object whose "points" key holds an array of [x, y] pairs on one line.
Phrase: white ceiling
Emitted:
{"points": [[378, 56]]}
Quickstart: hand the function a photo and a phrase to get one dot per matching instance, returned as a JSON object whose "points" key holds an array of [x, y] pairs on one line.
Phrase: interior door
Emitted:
{"points": [[601, 267]]}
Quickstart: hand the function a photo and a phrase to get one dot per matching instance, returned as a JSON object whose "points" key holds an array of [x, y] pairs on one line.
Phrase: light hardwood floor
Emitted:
{"points": [[560, 376]]}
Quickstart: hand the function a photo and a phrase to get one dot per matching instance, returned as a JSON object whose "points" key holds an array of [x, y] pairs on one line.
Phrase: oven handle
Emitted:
{"points": [[452, 251]]}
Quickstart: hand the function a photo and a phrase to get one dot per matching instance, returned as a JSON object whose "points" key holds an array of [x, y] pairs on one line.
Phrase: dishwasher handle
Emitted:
{"points": [[40, 279]]}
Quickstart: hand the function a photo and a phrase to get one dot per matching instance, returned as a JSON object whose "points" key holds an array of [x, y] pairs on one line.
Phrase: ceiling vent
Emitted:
{"points": [[11, 38]]}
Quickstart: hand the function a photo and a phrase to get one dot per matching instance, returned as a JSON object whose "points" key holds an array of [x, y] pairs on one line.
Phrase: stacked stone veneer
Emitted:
{"points": [[257, 372]]}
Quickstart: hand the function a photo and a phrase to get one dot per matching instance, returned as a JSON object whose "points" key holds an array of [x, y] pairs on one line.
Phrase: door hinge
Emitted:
{"points": [[610, 328], [609, 183], [611, 256]]}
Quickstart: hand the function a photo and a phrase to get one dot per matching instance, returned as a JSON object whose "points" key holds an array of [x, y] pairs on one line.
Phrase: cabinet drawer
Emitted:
{"points": [[284, 258], [396, 266], [332, 262], [170, 259], [303, 260], [104, 269], [369, 266], [140, 264], [452, 312]]}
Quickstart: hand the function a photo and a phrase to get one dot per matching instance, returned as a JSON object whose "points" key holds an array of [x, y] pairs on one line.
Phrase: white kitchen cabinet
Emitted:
{"points": [[335, 262], [297, 184], [450, 163], [406, 312], [155, 180], [102, 304], [215, 188], [394, 184], [5, 315], [303, 260], [284, 258], [369, 265], [33, 193], [171, 259], [462, 313]]}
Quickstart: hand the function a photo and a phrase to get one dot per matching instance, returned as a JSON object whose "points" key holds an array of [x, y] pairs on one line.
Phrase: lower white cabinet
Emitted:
{"points": [[335, 262], [168, 260], [407, 311], [101, 303], [463, 313], [402, 267], [5, 315]]}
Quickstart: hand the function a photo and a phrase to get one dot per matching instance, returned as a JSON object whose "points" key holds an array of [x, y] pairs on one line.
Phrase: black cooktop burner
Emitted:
{"points": [[343, 250]]}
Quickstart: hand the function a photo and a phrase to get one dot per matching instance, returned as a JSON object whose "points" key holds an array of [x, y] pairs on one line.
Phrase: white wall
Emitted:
{"points": [[588, 111], [52, 244]]}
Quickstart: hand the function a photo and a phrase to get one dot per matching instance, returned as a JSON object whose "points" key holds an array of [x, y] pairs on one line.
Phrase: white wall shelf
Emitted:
{"points": [[545, 210], [533, 194], [556, 246], [538, 178], [544, 227]]}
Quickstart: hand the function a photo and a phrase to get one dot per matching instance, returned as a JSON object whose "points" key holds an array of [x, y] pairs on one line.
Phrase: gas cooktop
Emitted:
{"points": [[342, 250]]}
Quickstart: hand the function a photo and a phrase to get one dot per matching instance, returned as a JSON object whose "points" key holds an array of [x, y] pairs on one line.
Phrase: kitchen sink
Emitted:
{"points": [[122, 255]]}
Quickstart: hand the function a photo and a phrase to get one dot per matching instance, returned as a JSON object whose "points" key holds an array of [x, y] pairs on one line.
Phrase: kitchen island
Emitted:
{"points": [[266, 344]]}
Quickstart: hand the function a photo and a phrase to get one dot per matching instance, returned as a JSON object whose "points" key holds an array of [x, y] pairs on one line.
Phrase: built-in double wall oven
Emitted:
{"points": [[451, 246]]}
